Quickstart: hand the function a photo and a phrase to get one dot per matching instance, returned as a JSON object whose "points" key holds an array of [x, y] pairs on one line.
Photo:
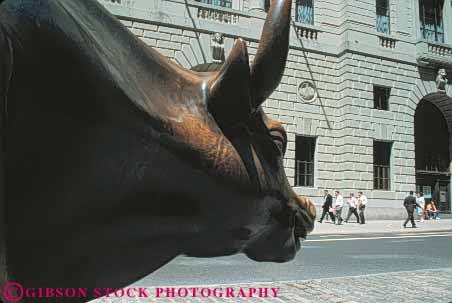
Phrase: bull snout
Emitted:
{"points": [[304, 217], [278, 243]]}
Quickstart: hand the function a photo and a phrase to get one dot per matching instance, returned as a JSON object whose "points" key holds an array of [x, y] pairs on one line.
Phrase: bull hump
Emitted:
{"points": [[108, 50]]}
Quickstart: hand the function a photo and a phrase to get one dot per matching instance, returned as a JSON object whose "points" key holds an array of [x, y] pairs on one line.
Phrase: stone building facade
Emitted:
{"points": [[357, 74]]}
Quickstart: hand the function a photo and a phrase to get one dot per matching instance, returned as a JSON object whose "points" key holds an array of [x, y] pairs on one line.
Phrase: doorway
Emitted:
{"points": [[432, 152]]}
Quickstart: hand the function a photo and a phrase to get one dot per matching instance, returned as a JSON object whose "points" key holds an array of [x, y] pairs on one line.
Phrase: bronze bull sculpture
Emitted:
{"points": [[115, 160]]}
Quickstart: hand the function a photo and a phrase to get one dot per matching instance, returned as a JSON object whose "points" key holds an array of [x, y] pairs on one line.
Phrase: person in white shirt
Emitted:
{"points": [[421, 201], [352, 203], [362, 202], [338, 205]]}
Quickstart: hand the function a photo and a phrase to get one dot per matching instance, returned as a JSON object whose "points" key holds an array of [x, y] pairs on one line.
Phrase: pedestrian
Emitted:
{"points": [[327, 217], [327, 206], [432, 211], [352, 204], [420, 209], [362, 202], [410, 204], [338, 206]]}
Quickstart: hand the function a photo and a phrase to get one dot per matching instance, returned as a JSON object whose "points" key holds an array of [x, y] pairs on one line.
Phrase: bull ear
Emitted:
{"points": [[270, 60], [229, 91]]}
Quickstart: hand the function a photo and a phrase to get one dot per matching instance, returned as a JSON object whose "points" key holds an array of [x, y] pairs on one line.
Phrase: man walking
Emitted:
{"points": [[410, 204], [338, 205], [352, 203], [362, 202], [327, 206]]}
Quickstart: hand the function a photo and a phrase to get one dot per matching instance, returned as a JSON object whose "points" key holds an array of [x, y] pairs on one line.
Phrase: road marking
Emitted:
{"points": [[376, 238], [407, 241], [353, 233], [423, 233]]}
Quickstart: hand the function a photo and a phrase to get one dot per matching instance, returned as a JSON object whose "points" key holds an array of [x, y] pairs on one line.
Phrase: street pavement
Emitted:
{"points": [[342, 264], [381, 226], [424, 286], [321, 257]]}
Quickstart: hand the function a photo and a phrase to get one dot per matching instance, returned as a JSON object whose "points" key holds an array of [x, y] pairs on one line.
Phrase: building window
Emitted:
{"points": [[223, 3], [305, 11], [304, 161], [382, 165], [381, 97], [431, 20], [266, 5], [383, 20]]}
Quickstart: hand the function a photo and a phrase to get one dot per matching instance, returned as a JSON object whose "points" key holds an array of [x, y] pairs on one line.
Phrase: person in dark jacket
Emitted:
{"points": [[410, 205], [327, 207]]}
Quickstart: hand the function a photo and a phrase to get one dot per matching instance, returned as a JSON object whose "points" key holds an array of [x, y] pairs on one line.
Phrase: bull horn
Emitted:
{"points": [[229, 91], [270, 60]]}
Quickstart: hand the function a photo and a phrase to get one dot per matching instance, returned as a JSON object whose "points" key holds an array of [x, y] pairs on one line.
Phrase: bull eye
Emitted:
{"points": [[279, 140]]}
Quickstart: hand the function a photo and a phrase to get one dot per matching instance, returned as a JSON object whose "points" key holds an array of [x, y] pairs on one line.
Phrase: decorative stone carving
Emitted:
{"points": [[441, 80], [308, 33], [217, 14], [387, 42], [114, 1], [307, 92], [217, 44]]}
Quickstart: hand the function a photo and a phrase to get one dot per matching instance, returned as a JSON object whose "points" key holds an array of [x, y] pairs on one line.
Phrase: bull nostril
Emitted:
{"points": [[308, 206], [305, 217], [302, 225], [312, 212]]}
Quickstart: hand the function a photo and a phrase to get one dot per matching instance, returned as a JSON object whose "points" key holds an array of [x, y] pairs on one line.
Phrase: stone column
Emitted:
{"points": [[257, 5]]}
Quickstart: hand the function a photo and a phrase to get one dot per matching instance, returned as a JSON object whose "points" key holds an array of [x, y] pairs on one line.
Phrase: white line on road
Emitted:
{"points": [[349, 233], [421, 233], [407, 241], [376, 238]]}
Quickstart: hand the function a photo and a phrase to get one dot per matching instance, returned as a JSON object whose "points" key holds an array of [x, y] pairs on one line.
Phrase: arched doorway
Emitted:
{"points": [[432, 125]]}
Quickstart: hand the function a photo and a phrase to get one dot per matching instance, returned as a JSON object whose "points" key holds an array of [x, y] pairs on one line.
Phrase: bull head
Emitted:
{"points": [[234, 96], [130, 160]]}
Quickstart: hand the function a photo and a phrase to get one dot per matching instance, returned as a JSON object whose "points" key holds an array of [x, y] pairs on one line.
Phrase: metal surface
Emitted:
{"points": [[117, 160]]}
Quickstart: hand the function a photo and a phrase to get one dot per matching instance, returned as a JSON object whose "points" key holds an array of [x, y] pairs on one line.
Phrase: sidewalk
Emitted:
{"points": [[381, 226], [376, 288]]}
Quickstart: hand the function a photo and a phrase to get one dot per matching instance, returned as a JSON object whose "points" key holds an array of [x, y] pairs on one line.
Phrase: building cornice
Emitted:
{"points": [[347, 38]]}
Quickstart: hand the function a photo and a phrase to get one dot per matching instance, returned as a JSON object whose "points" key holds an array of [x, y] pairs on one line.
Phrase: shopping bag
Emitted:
{"points": [[419, 211]]}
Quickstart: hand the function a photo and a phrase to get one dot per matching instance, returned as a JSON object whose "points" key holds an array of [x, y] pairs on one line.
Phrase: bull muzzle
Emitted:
{"points": [[304, 217]]}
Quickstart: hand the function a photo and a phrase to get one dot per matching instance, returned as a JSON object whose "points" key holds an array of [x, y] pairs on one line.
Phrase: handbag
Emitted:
{"points": [[419, 211]]}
